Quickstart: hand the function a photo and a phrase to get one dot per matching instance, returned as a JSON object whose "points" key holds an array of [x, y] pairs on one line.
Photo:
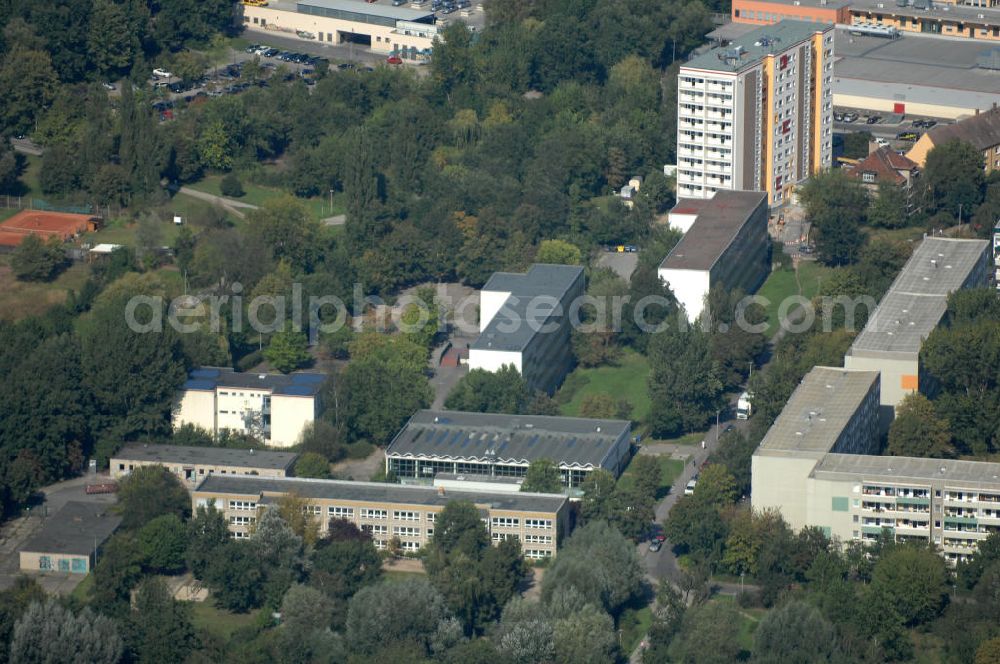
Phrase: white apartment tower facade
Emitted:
{"points": [[757, 115]]}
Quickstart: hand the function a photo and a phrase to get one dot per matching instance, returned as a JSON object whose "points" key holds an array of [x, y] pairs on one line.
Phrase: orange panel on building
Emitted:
{"points": [[910, 382], [764, 12]]}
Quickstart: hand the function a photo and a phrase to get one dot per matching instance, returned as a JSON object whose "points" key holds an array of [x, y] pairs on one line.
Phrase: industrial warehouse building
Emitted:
{"points": [[273, 407], [69, 540], [757, 115], [193, 464], [381, 27], [725, 242], [947, 19], [494, 445], [816, 467], [525, 322], [388, 511], [891, 340]]}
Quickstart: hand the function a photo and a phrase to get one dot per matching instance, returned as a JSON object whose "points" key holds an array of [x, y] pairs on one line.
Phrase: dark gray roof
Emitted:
{"points": [[75, 529], [378, 492], [207, 456], [718, 221], [918, 298], [756, 45], [520, 439], [542, 280], [303, 384], [982, 131]]}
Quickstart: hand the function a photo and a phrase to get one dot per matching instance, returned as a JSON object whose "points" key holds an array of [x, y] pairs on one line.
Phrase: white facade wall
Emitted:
{"points": [[682, 222], [705, 133], [289, 416], [780, 482], [234, 404], [689, 287], [494, 360], [490, 302], [196, 407]]}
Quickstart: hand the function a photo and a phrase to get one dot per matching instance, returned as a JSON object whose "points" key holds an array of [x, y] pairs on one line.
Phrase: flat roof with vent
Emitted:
{"points": [[749, 49], [205, 456], [818, 411], [302, 384], [918, 298], [571, 442], [718, 220]]}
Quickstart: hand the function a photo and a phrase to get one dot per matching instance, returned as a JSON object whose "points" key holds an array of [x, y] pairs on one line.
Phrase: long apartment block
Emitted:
{"points": [[387, 511], [817, 466], [757, 115]]}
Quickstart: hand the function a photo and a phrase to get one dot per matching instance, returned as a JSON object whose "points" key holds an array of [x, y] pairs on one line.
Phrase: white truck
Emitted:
{"points": [[744, 407]]}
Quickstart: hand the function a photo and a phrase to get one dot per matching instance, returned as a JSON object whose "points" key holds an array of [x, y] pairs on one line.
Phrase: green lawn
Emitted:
{"points": [[669, 470], [20, 299], [626, 381], [221, 623], [395, 576], [256, 194], [784, 283], [633, 626]]}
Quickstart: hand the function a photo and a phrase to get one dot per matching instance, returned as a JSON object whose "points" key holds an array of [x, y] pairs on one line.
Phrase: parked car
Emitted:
{"points": [[631, 249], [907, 136], [692, 483], [108, 86], [881, 142], [655, 545], [803, 249], [394, 60], [839, 117], [252, 48], [850, 117], [162, 73], [398, 3], [271, 52], [873, 119], [924, 124]]}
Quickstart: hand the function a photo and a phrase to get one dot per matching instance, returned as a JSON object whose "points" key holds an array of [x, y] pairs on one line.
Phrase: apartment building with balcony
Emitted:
{"points": [[386, 511], [273, 407], [757, 115], [914, 306]]}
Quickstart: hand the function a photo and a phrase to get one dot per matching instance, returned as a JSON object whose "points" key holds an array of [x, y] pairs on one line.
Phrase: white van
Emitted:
{"points": [[692, 483]]}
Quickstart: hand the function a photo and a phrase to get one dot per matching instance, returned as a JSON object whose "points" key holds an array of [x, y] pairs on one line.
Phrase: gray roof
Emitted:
{"points": [[860, 467], [939, 10], [378, 492], [301, 384], [74, 529], [206, 456], [718, 221], [756, 45], [982, 131], [542, 280], [818, 410], [370, 9], [914, 69], [519, 439], [917, 300]]}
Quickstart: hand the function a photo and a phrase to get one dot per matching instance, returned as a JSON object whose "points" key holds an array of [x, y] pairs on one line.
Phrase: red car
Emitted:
{"points": [[394, 60]]}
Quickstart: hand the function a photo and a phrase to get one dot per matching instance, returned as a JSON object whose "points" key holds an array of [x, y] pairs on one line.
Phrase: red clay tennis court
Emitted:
{"points": [[63, 225]]}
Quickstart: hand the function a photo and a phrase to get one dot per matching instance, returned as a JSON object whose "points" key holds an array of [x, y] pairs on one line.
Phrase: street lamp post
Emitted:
{"points": [[717, 425]]}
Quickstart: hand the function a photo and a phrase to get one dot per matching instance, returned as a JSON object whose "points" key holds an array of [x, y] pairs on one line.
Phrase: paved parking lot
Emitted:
{"points": [[622, 264]]}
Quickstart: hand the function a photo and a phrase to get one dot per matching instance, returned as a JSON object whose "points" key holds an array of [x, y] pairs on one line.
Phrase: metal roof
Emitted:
{"points": [[918, 298], [369, 9], [717, 223], [571, 442], [818, 410], [205, 456], [757, 45], [378, 492], [75, 529], [863, 467], [296, 384], [529, 306]]}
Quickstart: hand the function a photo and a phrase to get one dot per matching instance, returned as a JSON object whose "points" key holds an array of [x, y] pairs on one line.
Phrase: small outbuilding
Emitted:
{"points": [[69, 540]]}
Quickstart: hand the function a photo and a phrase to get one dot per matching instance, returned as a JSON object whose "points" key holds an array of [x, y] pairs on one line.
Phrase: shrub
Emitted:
{"points": [[231, 186]]}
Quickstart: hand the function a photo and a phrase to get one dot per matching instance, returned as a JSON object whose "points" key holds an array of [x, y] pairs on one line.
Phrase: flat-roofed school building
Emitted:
{"points": [[69, 540], [917, 300], [193, 464], [524, 321], [273, 407], [387, 511], [490, 444], [379, 26], [725, 242]]}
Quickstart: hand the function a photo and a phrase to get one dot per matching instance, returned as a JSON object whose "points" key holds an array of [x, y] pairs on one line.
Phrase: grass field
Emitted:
{"points": [[256, 194], [221, 623], [82, 591], [669, 470], [634, 625], [784, 283], [626, 381], [19, 299]]}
